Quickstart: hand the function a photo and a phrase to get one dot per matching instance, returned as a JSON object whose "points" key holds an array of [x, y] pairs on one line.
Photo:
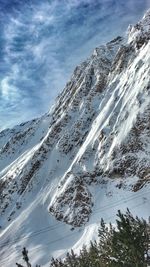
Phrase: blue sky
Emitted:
{"points": [[42, 41]]}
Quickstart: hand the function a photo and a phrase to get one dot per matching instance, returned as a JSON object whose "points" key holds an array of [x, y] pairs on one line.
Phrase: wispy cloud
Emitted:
{"points": [[42, 41]]}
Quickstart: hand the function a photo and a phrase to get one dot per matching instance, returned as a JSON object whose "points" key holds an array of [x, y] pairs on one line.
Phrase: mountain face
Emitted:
{"points": [[91, 148]]}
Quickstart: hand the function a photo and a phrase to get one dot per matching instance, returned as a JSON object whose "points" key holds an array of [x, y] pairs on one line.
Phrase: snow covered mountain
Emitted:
{"points": [[84, 159]]}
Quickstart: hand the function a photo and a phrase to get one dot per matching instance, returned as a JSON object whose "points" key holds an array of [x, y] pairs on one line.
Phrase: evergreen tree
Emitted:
{"points": [[129, 240], [83, 257], [25, 257], [94, 255], [56, 263], [70, 260], [125, 245], [105, 234]]}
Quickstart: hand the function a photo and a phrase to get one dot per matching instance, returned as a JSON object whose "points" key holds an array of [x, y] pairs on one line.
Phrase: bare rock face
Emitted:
{"points": [[98, 130], [74, 204]]}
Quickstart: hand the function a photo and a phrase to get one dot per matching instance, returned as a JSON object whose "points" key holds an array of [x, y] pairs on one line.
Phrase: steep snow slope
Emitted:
{"points": [[84, 159]]}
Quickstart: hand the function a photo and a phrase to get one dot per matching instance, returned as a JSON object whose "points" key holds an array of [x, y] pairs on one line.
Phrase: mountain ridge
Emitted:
{"points": [[92, 145]]}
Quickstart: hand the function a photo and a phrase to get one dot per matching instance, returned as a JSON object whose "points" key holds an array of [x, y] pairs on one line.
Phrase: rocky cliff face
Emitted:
{"points": [[97, 131]]}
